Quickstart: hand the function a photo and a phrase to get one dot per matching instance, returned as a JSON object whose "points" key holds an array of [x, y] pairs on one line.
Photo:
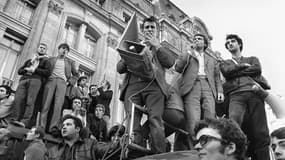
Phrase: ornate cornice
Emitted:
{"points": [[55, 6]]}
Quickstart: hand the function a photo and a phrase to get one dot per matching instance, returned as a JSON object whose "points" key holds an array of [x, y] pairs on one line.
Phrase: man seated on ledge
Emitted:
{"points": [[75, 147]]}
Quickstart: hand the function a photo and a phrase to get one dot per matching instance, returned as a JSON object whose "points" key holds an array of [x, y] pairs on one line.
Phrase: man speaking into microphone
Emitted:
{"points": [[148, 92]]}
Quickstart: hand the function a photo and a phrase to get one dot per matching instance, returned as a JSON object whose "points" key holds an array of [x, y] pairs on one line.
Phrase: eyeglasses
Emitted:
{"points": [[204, 139]]}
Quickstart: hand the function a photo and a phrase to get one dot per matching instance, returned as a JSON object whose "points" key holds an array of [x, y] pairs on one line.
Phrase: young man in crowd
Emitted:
{"points": [[105, 97], [245, 106], [201, 83], [220, 139], [145, 92], [63, 71], [278, 143], [75, 147], [77, 110], [97, 125], [34, 73], [5, 105], [37, 149]]}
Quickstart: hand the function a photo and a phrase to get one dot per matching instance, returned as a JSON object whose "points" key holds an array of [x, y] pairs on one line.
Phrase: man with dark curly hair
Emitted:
{"points": [[220, 139], [278, 143]]}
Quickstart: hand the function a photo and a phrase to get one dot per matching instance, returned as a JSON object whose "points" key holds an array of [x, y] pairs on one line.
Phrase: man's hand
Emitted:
{"points": [[30, 70], [152, 41], [245, 64], [221, 97]]}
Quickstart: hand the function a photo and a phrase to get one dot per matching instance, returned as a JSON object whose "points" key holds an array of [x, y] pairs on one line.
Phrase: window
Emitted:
{"points": [[24, 11], [81, 37], [89, 46], [3, 4], [70, 33], [10, 47]]}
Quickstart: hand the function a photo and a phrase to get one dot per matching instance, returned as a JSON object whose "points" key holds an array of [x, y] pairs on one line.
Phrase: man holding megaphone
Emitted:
{"points": [[148, 91]]}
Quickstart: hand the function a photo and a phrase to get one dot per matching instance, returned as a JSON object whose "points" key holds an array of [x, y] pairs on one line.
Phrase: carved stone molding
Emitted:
{"points": [[55, 6], [112, 42]]}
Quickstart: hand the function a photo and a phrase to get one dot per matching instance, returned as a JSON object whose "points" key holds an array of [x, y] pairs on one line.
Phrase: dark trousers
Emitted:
{"points": [[247, 109], [154, 100], [25, 98]]}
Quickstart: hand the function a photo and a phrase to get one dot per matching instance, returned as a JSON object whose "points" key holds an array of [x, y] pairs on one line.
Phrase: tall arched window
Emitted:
{"points": [[81, 37]]}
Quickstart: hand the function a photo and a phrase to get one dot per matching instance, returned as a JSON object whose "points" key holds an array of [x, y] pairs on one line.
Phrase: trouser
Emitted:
{"points": [[199, 103], [54, 92], [248, 110], [25, 98], [154, 100]]}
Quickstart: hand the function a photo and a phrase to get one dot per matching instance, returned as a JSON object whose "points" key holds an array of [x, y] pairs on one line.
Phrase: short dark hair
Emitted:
{"points": [[205, 39], [80, 79], [115, 129], [279, 133], [39, 130], [64, 45], [100, 106], [8, 89], [149, 19], [230, 132], [77, 122], [237, 38], [92, 85], [76, 97]]}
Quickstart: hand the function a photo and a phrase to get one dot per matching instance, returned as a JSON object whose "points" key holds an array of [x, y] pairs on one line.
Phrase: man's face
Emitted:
{"points": [[99, 112], [93, 90], [278, 147], [42, 49], [3, 93], [199, 42], [31, 135], [68, 129], [83, 82], [149, 30], [232, 45], [62, 51], [76, 104], [211, 147]]}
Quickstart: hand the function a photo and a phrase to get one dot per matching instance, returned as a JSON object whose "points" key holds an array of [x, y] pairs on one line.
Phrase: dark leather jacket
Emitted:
{"points": [[82, 149], [240, 77]]}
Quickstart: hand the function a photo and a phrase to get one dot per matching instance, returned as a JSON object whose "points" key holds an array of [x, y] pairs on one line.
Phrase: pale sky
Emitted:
{"points": [[260, 23]]}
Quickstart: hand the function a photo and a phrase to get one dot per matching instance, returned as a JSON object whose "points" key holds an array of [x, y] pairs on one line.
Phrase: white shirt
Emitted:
{"points": [[200, 57]]}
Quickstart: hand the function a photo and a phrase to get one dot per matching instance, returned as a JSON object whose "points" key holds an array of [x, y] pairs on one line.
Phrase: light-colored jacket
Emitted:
{"points": [[188, 65]]}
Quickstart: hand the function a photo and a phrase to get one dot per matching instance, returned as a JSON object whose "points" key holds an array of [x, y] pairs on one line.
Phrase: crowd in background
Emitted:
{"points": [[53, 98]]}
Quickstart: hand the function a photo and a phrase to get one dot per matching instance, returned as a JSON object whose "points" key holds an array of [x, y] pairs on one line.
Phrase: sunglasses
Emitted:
{"points": [[205, 139]]}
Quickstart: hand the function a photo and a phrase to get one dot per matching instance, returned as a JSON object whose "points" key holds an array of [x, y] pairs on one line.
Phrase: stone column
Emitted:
{"points": [[80, 40], [51, 29]]}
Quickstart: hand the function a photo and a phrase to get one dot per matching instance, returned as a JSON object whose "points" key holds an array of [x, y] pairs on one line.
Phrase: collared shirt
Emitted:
{"points": [[200, 57]]}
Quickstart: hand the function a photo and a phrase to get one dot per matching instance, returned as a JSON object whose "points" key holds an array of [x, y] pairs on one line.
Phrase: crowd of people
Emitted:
{"points": [[79, 114]]}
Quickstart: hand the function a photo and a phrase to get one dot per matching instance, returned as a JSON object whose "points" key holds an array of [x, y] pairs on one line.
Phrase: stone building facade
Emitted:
{"points": [[92, 28]]}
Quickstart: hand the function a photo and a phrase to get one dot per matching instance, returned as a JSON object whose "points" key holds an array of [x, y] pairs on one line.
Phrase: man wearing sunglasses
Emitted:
{"points": [[220, 139], [278, 143]]}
